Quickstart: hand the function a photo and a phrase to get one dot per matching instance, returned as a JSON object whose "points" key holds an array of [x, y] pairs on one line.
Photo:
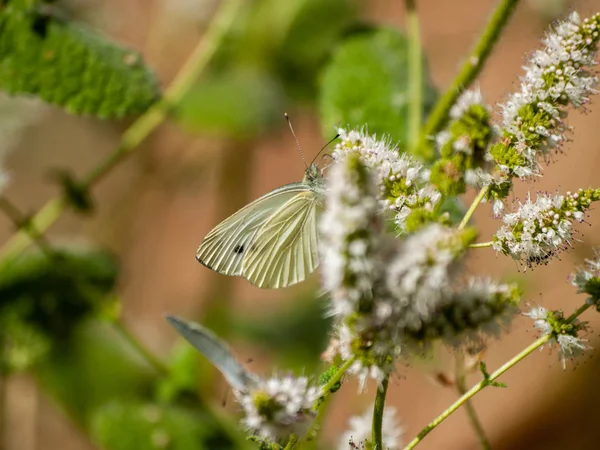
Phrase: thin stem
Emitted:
{"points": [[473, 207], [140, 129], [475, 389], [415, 73], [377, 430], [152, 360], [467, 74], [482, 384], [461, 387], [337, 377], [482, 244]]}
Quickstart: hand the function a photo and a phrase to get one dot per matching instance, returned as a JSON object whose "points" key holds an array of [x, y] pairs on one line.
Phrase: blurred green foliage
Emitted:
{"points": [[43, 297], [70, 66], [366, 85], [273, 57], [131, 426], [295, 333]]}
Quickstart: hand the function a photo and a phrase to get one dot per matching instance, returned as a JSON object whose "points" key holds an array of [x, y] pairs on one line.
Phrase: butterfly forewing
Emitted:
{"points": [[284, 250], [225, 247]]}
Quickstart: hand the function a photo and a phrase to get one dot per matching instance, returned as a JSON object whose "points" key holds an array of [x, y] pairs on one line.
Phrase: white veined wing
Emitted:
{"points": [[225, 246], [284, 250]]}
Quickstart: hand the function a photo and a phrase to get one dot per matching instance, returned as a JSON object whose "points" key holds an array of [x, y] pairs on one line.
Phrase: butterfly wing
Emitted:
{"points": [[216, 351], [284, 251], [225, 246]]}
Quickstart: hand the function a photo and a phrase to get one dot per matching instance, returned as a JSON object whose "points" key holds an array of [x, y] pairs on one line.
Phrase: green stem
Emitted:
{"points": [[22, 222], [415, 73], [461, 387], [473, 207], [377, 430], [482, 244], [466, 76], [152, 360], [337, 377], [140, 129], [482, 384]]}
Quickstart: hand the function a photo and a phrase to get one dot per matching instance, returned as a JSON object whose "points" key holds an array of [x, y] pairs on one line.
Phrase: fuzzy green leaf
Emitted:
{"points": [[70, 66], [366, 85]]}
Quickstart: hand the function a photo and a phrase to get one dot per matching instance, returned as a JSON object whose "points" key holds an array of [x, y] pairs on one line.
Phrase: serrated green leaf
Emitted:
{"points": [[238, 103], [366, 84], [70, 66], [42, 298]]}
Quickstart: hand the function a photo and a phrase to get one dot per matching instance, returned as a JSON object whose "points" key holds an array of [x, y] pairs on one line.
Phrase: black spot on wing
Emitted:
{"points": [[238, 249]]}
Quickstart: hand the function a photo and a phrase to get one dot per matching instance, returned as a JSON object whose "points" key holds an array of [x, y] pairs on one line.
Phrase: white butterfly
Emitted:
{"points": [[217, 352], [272, 242]]}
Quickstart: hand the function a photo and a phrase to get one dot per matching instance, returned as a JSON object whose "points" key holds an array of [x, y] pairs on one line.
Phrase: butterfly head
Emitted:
{"points": [[312, 174]]}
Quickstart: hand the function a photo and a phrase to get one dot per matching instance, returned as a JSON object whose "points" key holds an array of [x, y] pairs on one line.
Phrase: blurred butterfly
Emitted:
{"points": [[272, 242], [216, 351]]}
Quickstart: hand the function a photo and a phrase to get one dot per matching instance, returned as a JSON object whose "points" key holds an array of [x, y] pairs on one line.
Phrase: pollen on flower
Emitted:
{"points": [[359, 431], [278, 407], [555, 77], [540, 229]]}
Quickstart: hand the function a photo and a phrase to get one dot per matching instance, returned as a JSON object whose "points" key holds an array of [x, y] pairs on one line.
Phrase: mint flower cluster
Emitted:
{"points": [[402, 182], [393, 298], [555, 77], [540, 229], [279, 407]]}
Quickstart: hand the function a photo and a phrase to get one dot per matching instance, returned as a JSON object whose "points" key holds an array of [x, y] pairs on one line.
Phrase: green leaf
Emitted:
{"points": [[365, 85], [42, 297], [313, 31], [70, 66], [238, 103]]}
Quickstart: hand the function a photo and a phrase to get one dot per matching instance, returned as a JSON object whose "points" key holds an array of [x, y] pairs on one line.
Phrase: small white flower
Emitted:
{"points": [[467, 99], [278, 407], [583, 275], [360, 431]]}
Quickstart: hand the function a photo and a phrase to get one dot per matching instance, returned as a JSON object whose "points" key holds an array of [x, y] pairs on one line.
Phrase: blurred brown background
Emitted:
{"points": [[155, 209]]}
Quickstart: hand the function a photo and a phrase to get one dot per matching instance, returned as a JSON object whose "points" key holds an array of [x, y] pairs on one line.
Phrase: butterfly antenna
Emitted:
{"points": [[324, 147], [296, 139]]}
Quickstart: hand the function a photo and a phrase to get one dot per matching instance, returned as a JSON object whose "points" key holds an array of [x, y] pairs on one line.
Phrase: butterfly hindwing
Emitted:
{"points": [[284, 250], [216, 351], [225, 246]]}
